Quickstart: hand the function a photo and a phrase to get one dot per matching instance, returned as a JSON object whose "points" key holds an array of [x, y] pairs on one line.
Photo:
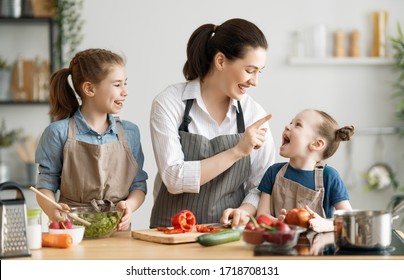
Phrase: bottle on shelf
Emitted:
{"points": [[319, 40], [339, 43], [354, 50], [379, 33]]}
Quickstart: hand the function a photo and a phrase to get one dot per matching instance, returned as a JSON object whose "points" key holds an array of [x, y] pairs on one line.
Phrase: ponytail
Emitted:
{"points": [[198, 62], [63, 100]]}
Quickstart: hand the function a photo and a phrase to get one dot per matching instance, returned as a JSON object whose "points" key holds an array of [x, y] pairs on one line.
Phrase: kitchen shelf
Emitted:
{"points": [[50, 22], [341, 61], [18, 103], [379, 131]]}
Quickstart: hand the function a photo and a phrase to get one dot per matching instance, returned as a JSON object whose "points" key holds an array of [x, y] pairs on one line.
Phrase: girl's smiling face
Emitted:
{"points": [[300, 134], [238, 75], [110, 93]]}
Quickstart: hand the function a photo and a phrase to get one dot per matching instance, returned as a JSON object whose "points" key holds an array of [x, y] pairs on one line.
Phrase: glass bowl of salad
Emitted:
{"points": [[104, 220]]}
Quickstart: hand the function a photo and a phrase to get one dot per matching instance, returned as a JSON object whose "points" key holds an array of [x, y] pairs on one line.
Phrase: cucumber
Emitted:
{"points": [[220, 237]]}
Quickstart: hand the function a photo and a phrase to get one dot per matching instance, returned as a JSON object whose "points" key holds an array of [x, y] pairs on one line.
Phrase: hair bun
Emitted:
{"points": [[344, 133]]}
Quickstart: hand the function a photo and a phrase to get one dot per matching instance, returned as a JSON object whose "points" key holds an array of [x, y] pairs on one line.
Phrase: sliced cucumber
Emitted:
{"points": [[220, 237]]}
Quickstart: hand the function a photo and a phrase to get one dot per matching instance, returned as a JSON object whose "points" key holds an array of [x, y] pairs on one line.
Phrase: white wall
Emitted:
{"points": [[153, 34]]}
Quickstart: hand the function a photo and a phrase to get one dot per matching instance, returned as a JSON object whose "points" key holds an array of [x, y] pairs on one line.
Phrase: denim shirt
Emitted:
{"points": [[49, 153]]}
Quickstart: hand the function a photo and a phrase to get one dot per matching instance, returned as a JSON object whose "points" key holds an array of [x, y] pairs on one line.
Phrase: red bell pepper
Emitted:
{"points": [[184, 220], [204, 228], [173, 231]]}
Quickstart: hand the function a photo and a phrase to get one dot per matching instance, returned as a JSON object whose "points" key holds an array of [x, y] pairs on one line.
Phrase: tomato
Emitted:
{"points": [[282, 227], [298, 217], [254, 236], [250, 226], [264, 219], [281, 235], [278, 237], [184, 220]]}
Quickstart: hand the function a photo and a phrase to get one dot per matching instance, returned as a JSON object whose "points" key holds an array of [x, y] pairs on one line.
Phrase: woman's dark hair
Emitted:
{"points": [[231, 38], [91, 65]]}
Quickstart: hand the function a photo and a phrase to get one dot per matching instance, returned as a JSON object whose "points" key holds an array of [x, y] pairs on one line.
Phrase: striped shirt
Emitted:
{"points": [[166, 116]]}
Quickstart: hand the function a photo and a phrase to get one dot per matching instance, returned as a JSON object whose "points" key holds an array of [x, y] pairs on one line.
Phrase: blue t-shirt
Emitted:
{"points": [[334, 188]]}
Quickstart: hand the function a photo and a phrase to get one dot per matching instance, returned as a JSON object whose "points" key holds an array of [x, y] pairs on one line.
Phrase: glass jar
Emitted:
{"points": [[34, 228]]}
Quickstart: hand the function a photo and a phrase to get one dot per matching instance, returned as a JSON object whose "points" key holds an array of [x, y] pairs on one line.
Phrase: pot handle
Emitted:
{"points": [[397, 209]]}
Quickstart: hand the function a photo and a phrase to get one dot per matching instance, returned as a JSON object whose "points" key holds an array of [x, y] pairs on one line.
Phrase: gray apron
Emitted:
{"points": [[288, 194], [96, 172], [224, 191]]}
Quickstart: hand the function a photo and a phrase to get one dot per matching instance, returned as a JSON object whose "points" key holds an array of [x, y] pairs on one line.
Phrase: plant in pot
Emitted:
{"points": [[398, 85], [7, 138], [398, 47], [5, 79], [69, 23]]}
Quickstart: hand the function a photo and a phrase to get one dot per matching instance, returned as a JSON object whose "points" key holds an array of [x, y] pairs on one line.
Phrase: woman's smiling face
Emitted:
{"points": [[238, 75]]}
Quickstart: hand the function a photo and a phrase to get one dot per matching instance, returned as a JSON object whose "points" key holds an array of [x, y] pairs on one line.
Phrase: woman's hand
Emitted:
{"points": [[238, 216], [253, 137], [127, 215]]}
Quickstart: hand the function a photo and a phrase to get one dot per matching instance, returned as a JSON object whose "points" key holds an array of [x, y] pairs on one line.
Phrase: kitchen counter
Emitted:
{"points": [[121, 246]]}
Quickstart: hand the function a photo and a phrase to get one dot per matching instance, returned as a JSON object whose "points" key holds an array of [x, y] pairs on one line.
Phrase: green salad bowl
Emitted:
{"points": [[104, 221]]}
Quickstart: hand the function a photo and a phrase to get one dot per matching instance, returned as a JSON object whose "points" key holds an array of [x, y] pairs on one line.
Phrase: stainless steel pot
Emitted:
{"points": [[364, 229]]}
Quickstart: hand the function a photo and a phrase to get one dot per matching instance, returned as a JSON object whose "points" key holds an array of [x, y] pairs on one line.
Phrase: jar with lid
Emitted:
{"points": [[34, 228]]}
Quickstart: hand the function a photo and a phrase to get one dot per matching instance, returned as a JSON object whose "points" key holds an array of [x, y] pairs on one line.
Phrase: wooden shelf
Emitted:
{"points": [[341, 61]]}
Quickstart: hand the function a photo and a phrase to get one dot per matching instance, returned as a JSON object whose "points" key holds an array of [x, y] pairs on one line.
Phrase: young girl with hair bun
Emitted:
{"points": [[305, 181]]}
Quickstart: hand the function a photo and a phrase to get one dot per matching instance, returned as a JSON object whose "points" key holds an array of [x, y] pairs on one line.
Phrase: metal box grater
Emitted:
{"points": [[13, 233]]}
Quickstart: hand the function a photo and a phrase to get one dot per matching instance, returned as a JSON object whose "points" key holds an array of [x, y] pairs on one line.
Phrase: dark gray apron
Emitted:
{"points": [[224, 191]]}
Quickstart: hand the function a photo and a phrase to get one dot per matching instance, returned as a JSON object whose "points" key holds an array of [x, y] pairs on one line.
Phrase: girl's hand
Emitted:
{"points": [[282, 215], [55, 215], [127, 215], [318, 223]]}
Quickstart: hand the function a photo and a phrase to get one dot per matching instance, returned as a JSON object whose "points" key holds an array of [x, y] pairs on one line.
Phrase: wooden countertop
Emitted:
{"points": [[121, 246]]}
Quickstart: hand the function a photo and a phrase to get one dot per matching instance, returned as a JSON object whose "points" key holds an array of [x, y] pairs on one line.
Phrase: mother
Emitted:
{"points": [[208, 162]]}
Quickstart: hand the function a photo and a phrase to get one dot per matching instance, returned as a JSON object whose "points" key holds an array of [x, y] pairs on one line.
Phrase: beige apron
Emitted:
{"points": [[288, 194], [224, 191], [96, 172]]}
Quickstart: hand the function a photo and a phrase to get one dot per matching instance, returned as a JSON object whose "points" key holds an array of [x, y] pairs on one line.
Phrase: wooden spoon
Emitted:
{"points": [[71, 215]]}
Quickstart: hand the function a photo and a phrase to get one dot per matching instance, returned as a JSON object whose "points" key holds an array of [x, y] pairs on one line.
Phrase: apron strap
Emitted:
{"points": [[186, 120], [240, 119], [72, 129], [121, 133]]}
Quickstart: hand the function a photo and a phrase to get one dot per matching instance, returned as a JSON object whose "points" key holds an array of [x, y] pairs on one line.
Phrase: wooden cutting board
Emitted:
{"points": [[153, 235]]}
